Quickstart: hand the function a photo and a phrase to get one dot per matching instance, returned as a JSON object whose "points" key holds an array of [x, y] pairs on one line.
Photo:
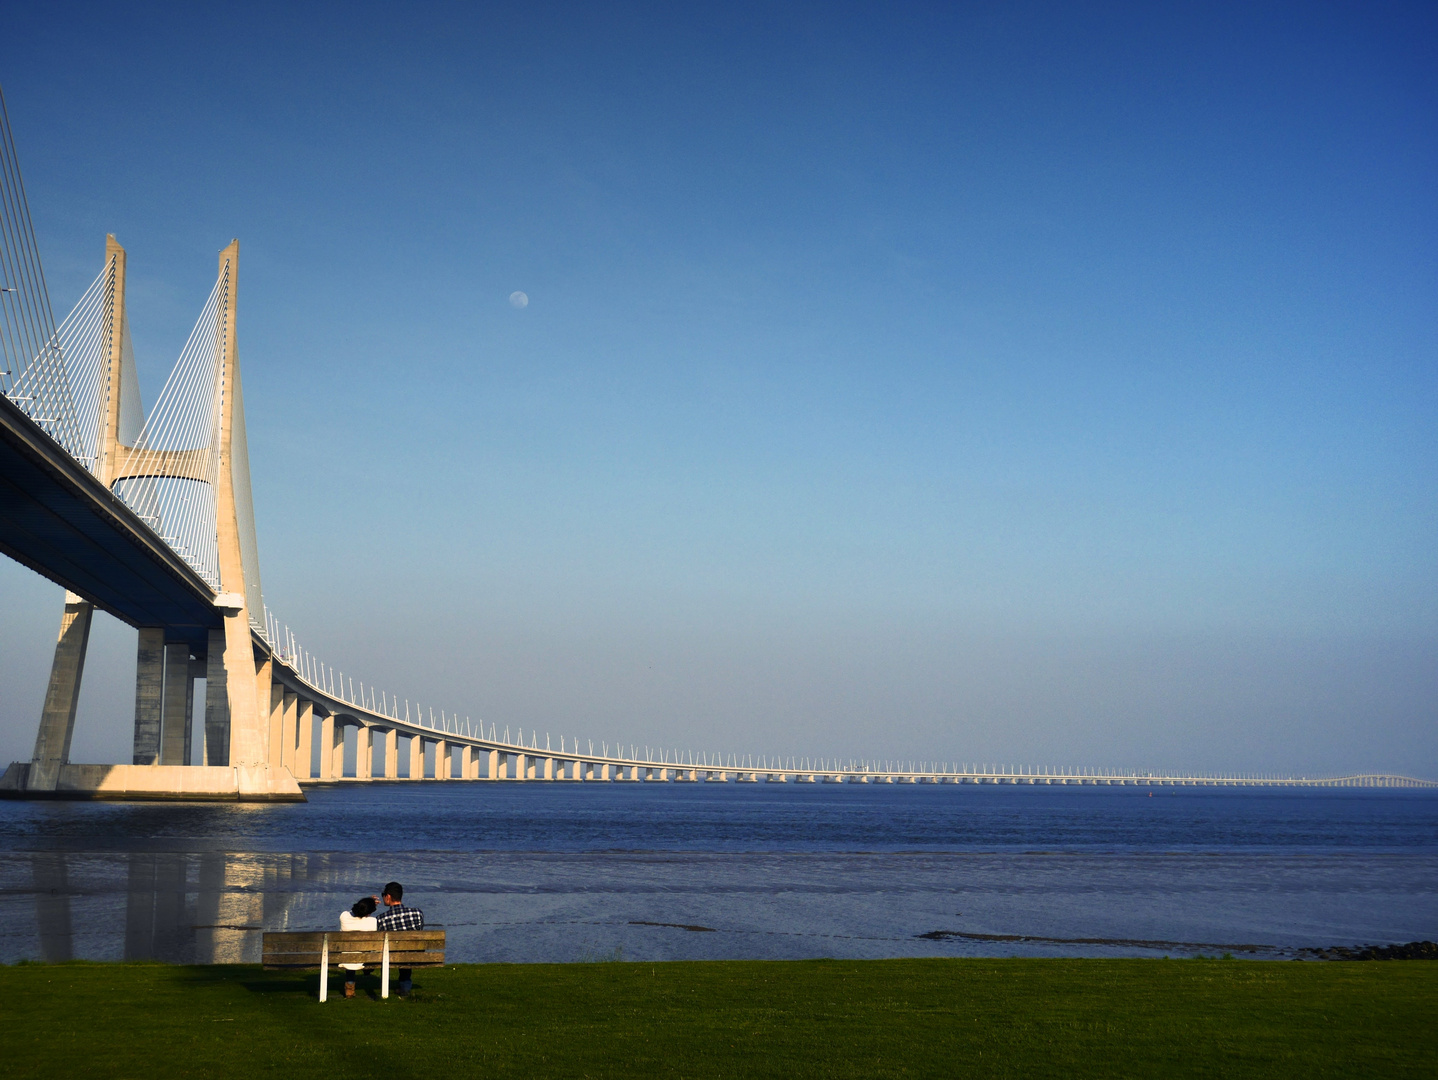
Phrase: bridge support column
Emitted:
{"points": [[391, 754], [217, 703], [270, 697], [549, 768], [327, 746], [179, 699], [441, 760], [416, 758], [289, 732], [197, 671], [305, 750], [149, 682], [337, 752], [57, 717], [519, 766], [364, 752], [494, 765], [468, 763]]}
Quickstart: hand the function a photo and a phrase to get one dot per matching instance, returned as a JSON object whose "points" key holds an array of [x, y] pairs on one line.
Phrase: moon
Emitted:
{"points": [[519, 299]]}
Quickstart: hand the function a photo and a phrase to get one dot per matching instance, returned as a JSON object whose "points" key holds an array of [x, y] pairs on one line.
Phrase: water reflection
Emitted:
{"points": [[180, 907], [51, 875]]}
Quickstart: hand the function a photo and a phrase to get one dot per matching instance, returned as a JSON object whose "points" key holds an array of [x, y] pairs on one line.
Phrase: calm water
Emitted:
{"points": [[569, 872]]}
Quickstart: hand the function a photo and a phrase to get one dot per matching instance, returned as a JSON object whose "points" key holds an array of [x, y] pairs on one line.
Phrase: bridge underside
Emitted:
{"points": [[61, 522]]}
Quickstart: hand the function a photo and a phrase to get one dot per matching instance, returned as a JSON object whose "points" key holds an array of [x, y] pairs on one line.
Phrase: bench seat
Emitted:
{"points": [[288, 950]]}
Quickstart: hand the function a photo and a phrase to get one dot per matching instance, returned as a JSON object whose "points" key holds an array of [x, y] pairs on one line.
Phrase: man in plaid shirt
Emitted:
{"points": [[398, 917]]}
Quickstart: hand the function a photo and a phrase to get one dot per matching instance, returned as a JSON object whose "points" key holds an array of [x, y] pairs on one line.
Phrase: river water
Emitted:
{"points": [[572, 872]]}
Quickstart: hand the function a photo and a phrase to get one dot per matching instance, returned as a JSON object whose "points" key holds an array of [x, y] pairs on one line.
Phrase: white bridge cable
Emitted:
{"points": [[81, 340], [170, 475], [33, 372]]}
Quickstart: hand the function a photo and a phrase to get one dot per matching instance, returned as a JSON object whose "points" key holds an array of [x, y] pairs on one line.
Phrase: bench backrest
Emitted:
{"points": [[304, 948]]}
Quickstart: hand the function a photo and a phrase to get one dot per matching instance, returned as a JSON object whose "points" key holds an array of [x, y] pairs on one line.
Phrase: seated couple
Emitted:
{"points": [[395, 917]]}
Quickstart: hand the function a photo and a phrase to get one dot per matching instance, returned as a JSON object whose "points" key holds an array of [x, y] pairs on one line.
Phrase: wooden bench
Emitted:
{"points": [[286, 950]]}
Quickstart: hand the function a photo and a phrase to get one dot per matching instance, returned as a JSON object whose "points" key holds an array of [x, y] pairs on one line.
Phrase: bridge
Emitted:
{"points": [[149, 516]]}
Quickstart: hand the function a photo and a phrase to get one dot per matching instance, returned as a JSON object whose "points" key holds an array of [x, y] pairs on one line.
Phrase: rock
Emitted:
{"points": [[1414, 950]]}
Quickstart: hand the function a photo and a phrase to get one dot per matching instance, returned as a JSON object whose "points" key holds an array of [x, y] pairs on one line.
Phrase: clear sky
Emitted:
{"points": [[1019, 383]]}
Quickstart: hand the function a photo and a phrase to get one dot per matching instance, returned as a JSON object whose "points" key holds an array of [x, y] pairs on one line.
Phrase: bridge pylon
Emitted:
{"points": [[185, 472], [115, 392], [236, 731]]}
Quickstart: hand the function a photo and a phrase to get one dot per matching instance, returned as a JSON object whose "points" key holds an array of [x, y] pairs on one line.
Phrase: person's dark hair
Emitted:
{"points": [[364, 907], [395, 891]]}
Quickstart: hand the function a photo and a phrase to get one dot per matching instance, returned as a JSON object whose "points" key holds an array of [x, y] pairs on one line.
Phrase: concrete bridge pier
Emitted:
{"points": [[305, 740], [364, 752], [391, 754], [289, 732], [57, 718], [177, 706], [327, 747], [337, 748], [149, 683]]}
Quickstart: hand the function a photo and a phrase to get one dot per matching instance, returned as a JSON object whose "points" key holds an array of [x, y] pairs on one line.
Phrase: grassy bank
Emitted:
{"points": [[1028, 1018]]}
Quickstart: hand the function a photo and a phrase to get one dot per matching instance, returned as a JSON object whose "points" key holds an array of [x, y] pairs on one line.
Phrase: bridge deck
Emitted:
{"points": [[61, 522]]}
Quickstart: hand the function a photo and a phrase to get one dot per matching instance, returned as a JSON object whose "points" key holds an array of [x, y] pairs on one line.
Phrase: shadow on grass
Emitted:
{"points": [[289, 984]]}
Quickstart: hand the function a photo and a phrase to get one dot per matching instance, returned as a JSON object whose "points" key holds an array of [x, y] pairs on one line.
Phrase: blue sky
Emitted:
{"points": [[1044, 384]]}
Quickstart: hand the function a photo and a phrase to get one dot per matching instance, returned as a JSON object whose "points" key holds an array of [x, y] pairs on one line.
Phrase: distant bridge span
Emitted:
{"points": [[309, 723]]}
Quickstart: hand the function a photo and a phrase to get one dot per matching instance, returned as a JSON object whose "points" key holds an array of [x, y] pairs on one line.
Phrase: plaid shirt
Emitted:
{"points": [[400, 917]]}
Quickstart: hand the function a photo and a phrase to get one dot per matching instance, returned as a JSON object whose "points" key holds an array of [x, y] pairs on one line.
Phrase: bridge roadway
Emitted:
{"points": [[299, 706], [58, 519]]}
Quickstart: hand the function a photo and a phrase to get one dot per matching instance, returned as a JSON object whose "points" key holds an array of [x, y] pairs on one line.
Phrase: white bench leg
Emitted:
{"points": [[325, 967], [384, 969]]}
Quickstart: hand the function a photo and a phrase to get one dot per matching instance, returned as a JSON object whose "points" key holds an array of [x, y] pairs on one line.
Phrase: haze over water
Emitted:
{"points": [[531, 872]]}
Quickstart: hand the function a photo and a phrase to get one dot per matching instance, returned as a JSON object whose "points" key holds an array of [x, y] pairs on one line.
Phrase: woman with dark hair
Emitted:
{"points": [[359, 917]]}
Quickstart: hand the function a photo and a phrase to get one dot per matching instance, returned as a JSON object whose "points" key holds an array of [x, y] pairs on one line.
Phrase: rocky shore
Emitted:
{"points": [[1414, 950]]}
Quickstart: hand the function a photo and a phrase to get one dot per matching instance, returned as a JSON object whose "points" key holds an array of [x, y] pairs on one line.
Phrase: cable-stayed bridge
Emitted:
{"points": [[149, 516]]}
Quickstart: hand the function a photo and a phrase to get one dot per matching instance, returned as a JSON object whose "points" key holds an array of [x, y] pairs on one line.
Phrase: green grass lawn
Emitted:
{"points": [[1022, 1018]]}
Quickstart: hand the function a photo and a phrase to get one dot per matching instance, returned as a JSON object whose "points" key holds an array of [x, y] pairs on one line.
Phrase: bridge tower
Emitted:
{"points": [[186, 472], [116, 399], [236, 731]]}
